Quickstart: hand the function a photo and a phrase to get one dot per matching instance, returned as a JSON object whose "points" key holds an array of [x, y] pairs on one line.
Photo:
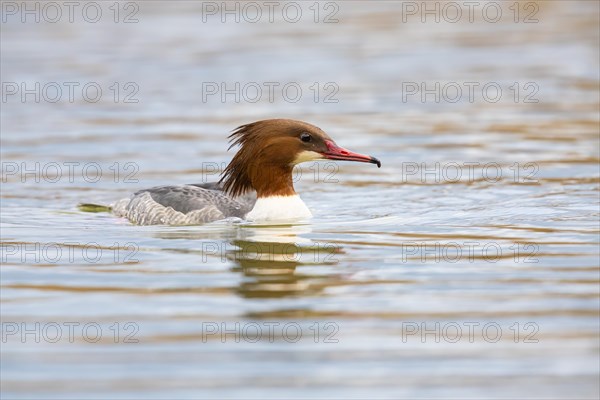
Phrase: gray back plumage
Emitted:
{"points": [[183, 205]]}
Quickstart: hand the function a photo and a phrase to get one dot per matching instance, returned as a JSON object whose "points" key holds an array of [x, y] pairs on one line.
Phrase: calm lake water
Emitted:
{"points": [[466, 267]]}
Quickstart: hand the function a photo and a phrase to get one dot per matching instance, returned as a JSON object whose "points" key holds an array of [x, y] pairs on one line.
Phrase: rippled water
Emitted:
{"points": [[466, 267]]}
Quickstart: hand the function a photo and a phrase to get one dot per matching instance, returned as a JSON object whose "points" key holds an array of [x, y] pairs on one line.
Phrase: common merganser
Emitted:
{"points": [[256, 185]]}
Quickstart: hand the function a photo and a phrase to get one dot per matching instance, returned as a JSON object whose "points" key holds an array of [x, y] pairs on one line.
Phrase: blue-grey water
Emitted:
{"points": [[466, 267]]}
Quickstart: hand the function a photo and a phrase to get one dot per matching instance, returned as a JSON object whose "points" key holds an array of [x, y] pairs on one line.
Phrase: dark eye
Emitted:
{"points": [[305, 137]]}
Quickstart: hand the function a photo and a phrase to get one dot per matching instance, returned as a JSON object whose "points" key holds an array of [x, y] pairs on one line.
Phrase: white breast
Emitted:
{"points": [[279, 208]]}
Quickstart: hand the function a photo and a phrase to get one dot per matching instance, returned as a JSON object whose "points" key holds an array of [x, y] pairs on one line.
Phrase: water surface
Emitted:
{"points": [[466, 267]]}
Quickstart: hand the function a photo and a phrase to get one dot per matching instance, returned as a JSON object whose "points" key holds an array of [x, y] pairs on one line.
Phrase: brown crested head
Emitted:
{"points": [[269, 150]]}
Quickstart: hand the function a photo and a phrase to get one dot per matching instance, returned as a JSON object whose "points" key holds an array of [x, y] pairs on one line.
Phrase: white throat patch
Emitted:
{"points": [[306, 155], [279, 208]]}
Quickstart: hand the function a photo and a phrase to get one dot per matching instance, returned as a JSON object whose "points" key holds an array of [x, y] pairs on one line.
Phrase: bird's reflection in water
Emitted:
{"points": [[268, 257]]}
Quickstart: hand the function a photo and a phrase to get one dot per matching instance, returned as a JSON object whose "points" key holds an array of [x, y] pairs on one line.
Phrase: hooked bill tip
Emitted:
{"points": [[376, 161]]}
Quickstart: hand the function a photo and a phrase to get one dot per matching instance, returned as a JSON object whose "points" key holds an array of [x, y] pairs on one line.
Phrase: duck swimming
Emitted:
{"points": [[257, 184]]}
